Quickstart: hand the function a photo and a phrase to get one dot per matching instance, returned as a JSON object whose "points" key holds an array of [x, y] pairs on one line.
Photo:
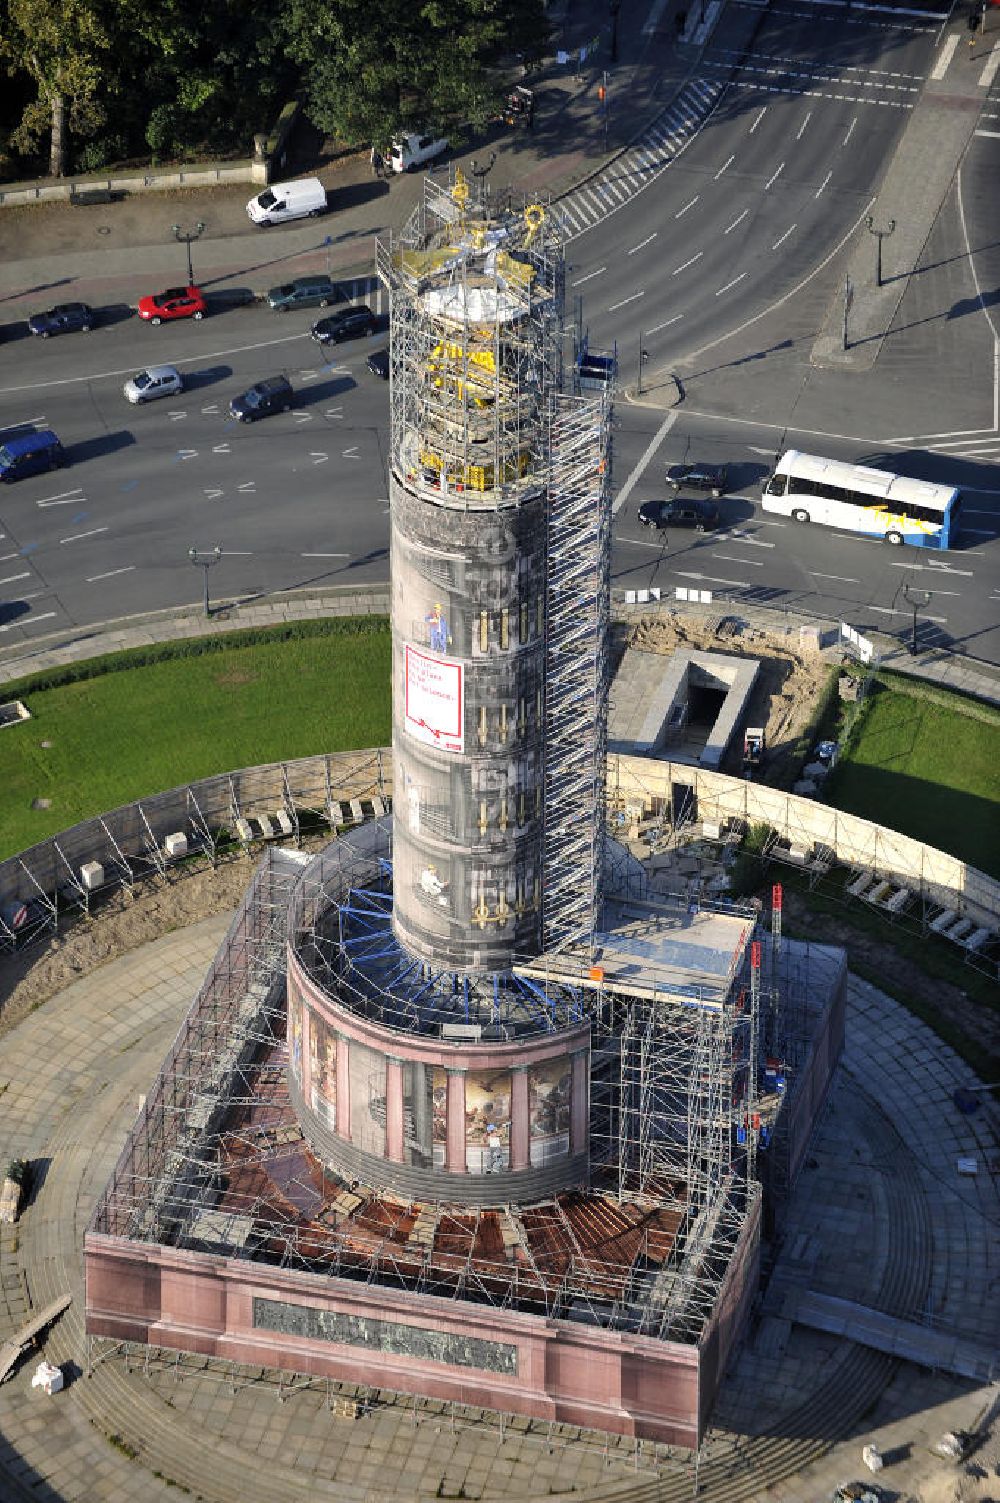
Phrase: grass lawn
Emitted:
{"points": [[126, 734], [919, 762]]}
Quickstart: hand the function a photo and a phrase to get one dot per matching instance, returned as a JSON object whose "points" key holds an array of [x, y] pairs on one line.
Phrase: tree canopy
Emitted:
{"points": [[101, 80]]}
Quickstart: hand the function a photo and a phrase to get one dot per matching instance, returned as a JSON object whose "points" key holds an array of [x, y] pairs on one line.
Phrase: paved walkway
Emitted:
{"points": [[882, 1216]]}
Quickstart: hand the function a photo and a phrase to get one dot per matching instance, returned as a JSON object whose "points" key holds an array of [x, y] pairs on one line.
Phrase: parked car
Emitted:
{"points": [[175, 302], [347, 323], [317, 291], [681, 511], [30, 454], [413, 151], [378, 364], [698, 477], [221, 298], [156, 381], [64, 318], [273, 394], [284, 201]]}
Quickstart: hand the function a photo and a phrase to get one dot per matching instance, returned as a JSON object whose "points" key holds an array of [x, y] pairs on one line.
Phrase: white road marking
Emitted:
{"points": [[334, 412], [733, 283], [6, 557], [723, 168], [173, 416], [187, 453], [736, 222], [752, 542], [757, 121], [93, 578], [657, 327], [248, 485], [727, 558], [995, 134], [213, 493], [641, 542], [351, 453], [63, 498], [774, 177], [213, 407], [324, 555], [989, 73], [13, 578], [303, 417], [936, 568], [850, 131], [643, 242], [840, 578], [784, 237], [644, 458], [802, 127], [45, 616], [317, 457], [615, 306], [30, 422], [888, 610], [944, 57], [76, 536], [221, 449], [822, 185], [740, 584], [589, 277], [689, 205], [693, 259], [129, 370]]}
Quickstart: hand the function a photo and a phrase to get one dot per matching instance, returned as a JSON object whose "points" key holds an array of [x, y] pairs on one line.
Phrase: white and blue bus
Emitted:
{"points": [[859, 499]]}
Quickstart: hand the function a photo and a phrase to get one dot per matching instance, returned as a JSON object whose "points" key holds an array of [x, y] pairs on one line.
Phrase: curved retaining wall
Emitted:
{"points": [[128, 841]]}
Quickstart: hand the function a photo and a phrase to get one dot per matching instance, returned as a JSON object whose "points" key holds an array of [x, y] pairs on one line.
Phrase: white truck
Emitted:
{"points": [[284, 201]]}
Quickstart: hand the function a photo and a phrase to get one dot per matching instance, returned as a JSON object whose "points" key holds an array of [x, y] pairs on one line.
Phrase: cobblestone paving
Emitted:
{"points": [[881, 1216]]}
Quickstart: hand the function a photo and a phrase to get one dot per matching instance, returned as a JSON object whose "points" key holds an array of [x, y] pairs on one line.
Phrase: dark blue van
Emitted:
{"points": [[30, 454]]}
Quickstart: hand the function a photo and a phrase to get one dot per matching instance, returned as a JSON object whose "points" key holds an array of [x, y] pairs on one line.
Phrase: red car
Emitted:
{"points": [[176, 302]]}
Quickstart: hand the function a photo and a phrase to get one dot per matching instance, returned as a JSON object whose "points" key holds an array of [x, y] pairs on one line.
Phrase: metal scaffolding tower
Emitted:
{"points": [[577, 667]]}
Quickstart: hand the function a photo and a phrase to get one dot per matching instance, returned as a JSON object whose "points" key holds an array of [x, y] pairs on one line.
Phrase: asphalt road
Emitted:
{"points": [[294, 498], [724, 263]]}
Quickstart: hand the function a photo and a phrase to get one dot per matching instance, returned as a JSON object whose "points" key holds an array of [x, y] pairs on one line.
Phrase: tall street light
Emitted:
{"points": [[481, 171], [185, 237], [206, 561], [880, 235], [919, 600], [643, 357]]}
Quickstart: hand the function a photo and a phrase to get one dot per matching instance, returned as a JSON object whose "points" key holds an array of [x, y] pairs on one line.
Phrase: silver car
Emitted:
{"points": [[156, 381]]}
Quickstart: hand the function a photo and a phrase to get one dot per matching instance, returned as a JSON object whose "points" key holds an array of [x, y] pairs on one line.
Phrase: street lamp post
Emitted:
{"points": [[918, 599], [206, 561], [880, 235], [643, 357], [185, 238], [481, 172]]}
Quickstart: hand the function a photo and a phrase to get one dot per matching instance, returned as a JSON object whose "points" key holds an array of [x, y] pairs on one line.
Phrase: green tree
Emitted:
{"points": [[62, 45], [432, 64]]}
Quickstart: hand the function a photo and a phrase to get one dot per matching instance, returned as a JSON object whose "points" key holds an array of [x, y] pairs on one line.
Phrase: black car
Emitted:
{"points": [[680, 511], [273, 394], [64, 318], [698, 477], [347, 323], [378, 364]]}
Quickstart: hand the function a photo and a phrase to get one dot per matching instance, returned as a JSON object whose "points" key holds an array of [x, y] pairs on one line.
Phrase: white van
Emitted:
{"points": [[410, 152], [284, 201]]}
